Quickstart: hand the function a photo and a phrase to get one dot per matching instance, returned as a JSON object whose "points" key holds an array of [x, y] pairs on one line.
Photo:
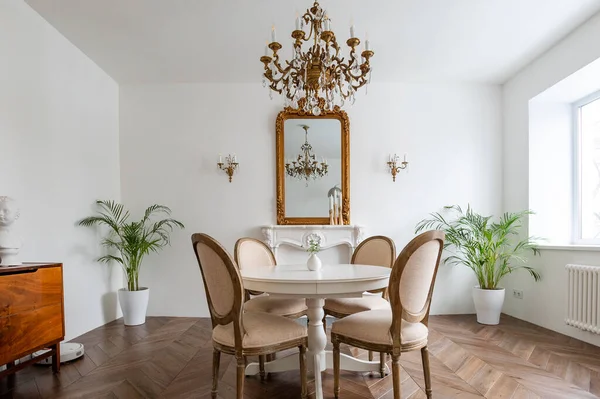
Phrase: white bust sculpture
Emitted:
{"points": [[10, 243]]}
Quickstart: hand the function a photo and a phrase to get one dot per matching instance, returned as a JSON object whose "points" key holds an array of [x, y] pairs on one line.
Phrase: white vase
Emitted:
{"points": [[488, 305], [313, 262], [134, 305]]}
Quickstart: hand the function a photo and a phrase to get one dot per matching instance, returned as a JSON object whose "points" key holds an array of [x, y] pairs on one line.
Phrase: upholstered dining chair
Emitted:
{"points": [[252, 253], [377, 251], [403, 327], [237, 332]]}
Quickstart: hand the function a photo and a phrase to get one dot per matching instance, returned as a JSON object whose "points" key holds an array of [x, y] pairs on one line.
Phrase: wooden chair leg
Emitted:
{"points": [[426, 371], [304, 390], [56, 358], [396, 375], [336, 368], [261, 366], [370, 356], [215, 371], [325, 324], [382, 364], [241, 371]]}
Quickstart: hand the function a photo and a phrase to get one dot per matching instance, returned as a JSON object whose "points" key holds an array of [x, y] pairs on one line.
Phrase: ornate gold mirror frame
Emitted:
{"points": [[291, 113]]}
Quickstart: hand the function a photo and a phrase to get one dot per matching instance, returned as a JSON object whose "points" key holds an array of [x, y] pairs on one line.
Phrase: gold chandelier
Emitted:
{"points": [[319, 77], [306, 166]]}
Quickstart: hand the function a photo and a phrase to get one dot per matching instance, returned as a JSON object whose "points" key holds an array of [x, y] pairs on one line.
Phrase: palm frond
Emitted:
{"points": [[131, 240], [152, 209], [490, 248], [109, 258]]}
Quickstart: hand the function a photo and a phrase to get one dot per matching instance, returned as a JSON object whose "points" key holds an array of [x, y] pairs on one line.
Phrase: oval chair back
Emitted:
{"points": [[412, 281], [375, 251], [251, 253], [222, 284]]}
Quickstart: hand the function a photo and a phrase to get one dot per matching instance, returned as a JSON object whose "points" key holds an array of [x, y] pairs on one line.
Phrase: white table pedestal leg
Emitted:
{"points": [[317, 339]]}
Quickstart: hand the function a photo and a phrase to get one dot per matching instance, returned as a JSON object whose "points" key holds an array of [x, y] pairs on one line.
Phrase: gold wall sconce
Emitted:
{"points": [[230, 165], [395, 165]]}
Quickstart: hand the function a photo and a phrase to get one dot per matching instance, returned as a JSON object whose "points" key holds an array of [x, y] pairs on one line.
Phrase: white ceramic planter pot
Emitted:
{"points": [[488, 305], [313, 262], [134, 305]]}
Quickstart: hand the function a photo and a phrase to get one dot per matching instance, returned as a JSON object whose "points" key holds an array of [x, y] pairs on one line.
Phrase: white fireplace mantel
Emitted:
{"points": [[298, 236]]}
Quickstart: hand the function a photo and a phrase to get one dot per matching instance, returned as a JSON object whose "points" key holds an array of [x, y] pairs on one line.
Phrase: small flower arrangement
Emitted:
{"points": [[313, 246]]}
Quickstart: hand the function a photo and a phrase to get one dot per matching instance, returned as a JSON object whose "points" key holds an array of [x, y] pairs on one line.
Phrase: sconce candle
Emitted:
{"points": [[230, 165], [395, 166]]}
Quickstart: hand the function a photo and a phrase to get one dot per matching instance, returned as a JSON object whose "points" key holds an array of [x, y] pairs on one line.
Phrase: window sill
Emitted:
{"points": [[569, 247]]}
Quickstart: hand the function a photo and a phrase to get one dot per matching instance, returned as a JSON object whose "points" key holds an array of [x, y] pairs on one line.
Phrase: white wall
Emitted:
{"points": [[59, 145], [544, 302], [171, 136], [551, 149]]}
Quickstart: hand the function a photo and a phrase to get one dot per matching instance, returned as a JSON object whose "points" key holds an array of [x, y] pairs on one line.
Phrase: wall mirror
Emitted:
{"points": [[313, 160]]}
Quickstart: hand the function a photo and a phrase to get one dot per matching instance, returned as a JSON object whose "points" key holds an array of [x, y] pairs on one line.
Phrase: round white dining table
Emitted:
{"points": [[331, 281]]}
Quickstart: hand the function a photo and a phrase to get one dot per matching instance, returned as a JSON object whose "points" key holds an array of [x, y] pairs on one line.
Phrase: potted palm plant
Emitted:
{"points": [[490, 248], [127, 243]]}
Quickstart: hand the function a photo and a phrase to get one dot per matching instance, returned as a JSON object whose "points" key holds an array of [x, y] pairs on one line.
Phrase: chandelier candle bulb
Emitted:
{"points": [[273, 35], [352, 32], [367, 47]]}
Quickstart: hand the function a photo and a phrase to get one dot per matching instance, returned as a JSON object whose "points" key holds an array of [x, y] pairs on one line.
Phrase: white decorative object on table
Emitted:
{"points": [[314, 246], [313, 263], [10, 242]]}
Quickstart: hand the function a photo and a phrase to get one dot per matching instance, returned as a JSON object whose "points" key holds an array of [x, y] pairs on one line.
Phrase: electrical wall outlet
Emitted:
{"points": [[518, 294]]}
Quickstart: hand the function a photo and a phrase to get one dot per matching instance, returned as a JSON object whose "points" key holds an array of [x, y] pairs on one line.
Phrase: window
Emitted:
{"points": [[587, 168]]}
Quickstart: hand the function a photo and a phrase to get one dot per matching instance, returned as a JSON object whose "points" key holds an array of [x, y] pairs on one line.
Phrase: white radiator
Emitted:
{"points": [[583, 294]]}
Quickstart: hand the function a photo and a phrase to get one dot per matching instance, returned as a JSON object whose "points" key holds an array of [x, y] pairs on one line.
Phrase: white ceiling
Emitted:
{"points": [[163, 41]]}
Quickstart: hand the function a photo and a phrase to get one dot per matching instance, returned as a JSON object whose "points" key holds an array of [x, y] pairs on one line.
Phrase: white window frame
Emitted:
{"points": [[576, 233]]}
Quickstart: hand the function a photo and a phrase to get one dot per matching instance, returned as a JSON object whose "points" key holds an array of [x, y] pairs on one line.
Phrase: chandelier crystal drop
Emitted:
{"points": [[306, 166], [320, 78]]}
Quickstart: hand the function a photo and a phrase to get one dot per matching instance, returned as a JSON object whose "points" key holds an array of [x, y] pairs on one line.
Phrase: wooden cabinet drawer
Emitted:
{"points": [[24, 332], [30, 289]]}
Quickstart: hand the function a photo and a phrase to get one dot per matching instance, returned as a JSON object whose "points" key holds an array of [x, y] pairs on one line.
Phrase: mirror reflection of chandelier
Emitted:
{"points": [[306, 166], [319, 73]]}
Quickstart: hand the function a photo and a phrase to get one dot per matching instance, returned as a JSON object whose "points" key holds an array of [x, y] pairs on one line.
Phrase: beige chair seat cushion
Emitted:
{"points": [[348, 306], [276, 306], [262, 329], [374, 327]]}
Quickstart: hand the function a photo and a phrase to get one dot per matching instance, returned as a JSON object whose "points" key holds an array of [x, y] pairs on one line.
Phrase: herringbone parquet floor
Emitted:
{"points": [[171, 358]]}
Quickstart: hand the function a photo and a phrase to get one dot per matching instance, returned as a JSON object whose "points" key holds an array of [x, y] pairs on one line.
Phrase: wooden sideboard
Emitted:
{"points": [[31, 314]]}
